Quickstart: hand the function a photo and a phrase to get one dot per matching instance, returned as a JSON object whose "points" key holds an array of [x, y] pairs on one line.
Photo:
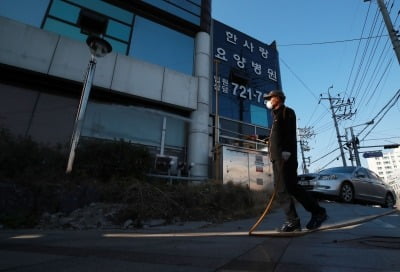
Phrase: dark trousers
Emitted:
{"points": [[286, 187]]}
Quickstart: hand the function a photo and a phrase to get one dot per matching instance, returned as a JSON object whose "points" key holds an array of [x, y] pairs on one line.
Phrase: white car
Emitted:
{"points": [[350, 183]]}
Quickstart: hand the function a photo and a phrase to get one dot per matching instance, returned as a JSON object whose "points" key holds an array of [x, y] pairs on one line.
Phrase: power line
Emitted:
{"points": [[330, 42], [299, 79], [304, 85], [388, 106], [358, 48], [326, 155], [360, 64], [335, 159], [371, 56]]}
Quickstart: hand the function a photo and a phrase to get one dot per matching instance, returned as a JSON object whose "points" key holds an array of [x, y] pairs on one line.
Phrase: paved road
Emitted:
{"points": [[197, 246]]}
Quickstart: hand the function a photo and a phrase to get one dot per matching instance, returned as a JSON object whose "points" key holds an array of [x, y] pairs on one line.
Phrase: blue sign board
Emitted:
{"points": [[372, 154], [244, 69]]}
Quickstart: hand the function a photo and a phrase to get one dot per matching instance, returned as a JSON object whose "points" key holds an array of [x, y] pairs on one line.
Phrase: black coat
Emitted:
{"points": [[283, 136]]}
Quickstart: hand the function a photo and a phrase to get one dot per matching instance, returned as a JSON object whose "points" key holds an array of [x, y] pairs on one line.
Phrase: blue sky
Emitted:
{"points": [[312, 38]]}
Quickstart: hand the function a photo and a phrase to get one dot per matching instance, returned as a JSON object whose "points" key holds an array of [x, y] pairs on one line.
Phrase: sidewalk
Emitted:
{"points": [[199, 246]]}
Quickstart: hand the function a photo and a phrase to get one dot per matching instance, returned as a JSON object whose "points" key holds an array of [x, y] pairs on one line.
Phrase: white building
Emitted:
{"points": [[388, 167]]}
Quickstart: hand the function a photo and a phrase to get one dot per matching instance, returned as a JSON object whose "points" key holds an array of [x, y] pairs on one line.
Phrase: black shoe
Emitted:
{"points": [[290, 226], [316, 220]]}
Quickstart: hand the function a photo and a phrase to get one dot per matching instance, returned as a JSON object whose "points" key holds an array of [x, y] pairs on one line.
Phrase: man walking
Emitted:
{"points": [[283, 154]]}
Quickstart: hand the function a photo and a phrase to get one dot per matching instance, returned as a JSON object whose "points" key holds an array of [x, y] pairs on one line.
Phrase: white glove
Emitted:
{"points": [[286, 155]]}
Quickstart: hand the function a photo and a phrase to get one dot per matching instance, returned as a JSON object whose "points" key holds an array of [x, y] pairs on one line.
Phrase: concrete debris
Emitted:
{"points": [[94, 216]]}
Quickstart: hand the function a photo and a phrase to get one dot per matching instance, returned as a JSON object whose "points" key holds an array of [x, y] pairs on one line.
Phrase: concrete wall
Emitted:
{"points": [[41, 51]]}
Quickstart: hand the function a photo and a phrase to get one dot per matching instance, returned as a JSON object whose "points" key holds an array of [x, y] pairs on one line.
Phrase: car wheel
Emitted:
{"points": [[347, 192], [389, 201]]}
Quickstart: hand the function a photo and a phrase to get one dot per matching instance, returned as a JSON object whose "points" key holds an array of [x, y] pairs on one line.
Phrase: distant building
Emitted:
{"points": [[388, 167]]}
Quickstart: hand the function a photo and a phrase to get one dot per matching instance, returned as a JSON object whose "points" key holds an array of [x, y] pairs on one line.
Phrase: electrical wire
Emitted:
{"points": [[304, 85], [379, 62], [358, 48], [388, 106], [324, 156], [368, 65], [361, 62], [298, 78], [334, 159], [365, 58], [375, 72], [331, 42]]}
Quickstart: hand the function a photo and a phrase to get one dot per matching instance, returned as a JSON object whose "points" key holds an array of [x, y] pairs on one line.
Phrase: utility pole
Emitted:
{"points": [[337, 129], [304, 134], [216, 122], [341, 109], [349, 147], [355, 142], [392, 33]]}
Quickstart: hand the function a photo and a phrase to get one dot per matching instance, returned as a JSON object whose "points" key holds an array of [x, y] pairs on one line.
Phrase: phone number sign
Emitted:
{"points": [[245, 68]]}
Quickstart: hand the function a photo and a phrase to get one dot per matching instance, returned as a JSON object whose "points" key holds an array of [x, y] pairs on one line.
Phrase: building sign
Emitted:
{"points": [[244, 69], [373, 154]]}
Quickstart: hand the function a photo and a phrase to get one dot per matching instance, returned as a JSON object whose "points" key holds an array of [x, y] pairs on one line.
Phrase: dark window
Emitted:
{"points": [[185, 9], [139, 37], [25, 11], [158, 44], [63, 17]]}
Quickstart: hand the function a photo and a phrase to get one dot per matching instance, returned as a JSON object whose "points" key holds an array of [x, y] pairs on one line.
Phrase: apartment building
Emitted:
{"points": [[388, 167]]}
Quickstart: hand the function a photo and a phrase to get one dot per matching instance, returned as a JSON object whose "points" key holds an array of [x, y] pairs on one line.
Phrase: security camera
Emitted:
{"points": [[92, 23]]}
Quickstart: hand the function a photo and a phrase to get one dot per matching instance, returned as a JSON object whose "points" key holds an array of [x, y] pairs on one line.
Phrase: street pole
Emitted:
{"points": [[304, 134], [305, 171], [81, 111], [337, 129], [98, 48], [355, 142], [216, 125], [390, 29]]}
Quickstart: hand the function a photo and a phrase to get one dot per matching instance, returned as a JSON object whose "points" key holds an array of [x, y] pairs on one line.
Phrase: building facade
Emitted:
{"points": [[388, 167], [244, 70], [155, 88]]}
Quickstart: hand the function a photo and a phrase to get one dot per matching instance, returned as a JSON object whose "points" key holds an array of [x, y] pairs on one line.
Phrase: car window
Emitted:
{"points": [[374, 176], [361, 172]]}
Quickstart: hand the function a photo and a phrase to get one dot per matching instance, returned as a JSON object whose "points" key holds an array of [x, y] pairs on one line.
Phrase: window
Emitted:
{"points": [[133, 124], [175, 136], [63, 16], [258, 115], [160, 45], [361, 173], [25, 11], [185, 9], [146, 40]]}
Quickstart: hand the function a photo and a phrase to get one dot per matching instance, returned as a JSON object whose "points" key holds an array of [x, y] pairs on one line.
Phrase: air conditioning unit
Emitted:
{"points": [[166, 165]]}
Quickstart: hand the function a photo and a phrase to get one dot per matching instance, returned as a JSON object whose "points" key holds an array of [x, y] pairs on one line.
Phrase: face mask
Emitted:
{"points": [[269, 104]]}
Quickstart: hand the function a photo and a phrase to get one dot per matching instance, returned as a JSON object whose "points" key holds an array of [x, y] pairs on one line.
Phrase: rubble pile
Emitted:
{"points": [[93, 216]]}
